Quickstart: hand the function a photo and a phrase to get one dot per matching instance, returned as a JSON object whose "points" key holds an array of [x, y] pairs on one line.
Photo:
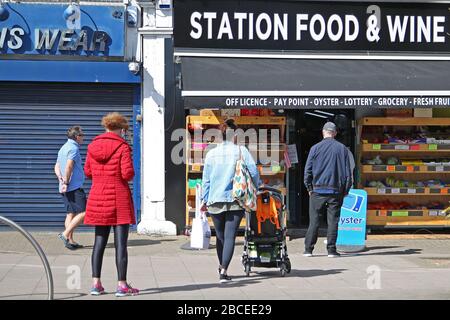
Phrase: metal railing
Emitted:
{"points": [[38, 249]]}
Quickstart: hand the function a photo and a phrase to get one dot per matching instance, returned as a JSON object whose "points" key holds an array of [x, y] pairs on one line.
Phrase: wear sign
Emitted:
{"points": [[291, 25], [97, 32]]}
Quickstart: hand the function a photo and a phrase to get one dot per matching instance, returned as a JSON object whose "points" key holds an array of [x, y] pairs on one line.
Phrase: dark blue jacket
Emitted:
{"points": [[328, 167]]}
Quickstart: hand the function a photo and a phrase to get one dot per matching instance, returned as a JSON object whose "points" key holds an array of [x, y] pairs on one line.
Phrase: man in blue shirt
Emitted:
{"points": [[69, 170], [328, 178]]}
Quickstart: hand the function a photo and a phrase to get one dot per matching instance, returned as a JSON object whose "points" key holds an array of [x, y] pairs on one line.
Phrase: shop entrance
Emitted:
{"points": [[307, 131]]}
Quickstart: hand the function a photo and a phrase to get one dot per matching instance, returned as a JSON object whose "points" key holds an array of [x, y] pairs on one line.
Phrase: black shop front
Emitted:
{"points": [[293, 65]]}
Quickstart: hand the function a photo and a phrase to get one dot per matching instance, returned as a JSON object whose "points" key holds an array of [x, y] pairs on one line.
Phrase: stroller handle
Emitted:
{"points": [[264, 188]]}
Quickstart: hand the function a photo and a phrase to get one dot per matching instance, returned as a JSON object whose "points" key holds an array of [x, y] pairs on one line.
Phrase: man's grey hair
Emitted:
{"points": [[74, 132]]}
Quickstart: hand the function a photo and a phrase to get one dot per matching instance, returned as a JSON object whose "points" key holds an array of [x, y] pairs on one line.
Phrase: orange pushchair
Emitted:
{"points": [[265, 233]]}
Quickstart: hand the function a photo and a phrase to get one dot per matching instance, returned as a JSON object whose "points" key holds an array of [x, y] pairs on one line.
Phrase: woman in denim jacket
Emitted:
{"points": [[217, 199]]}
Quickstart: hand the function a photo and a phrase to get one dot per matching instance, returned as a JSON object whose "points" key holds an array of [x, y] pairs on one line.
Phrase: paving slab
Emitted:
{"points": [[407, 267]]}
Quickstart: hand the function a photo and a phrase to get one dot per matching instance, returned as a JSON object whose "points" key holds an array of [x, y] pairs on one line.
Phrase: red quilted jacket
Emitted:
{"points": [[109, 165]]}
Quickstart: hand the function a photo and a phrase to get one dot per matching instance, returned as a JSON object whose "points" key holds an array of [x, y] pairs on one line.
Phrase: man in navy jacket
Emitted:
{"points": [[328, 179]]}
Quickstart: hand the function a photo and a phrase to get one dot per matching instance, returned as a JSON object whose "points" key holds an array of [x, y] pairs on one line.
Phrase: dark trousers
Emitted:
{"points": [[226, 224], [120, 244], [317, 204]]}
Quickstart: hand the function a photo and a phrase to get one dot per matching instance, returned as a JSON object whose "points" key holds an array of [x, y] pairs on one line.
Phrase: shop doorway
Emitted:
{"points": [[307, 132]]}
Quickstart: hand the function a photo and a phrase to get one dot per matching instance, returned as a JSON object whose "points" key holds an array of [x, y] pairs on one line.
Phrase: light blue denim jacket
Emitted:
{"points": [[219, 169]]}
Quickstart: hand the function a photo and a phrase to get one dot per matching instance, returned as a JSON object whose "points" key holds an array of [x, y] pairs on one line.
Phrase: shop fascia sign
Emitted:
{"points": [[62, 40], [286, 25], [42, 30], [325, 102]]}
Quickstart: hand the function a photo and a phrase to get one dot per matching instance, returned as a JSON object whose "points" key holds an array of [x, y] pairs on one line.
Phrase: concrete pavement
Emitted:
{"points": [[392, 267]]}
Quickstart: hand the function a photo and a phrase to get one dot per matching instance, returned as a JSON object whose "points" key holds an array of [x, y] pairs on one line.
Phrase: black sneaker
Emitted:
{"points": [[333, 254], [63, 239], [307, 254], [224, 278], [76, 245], [70, 246]]}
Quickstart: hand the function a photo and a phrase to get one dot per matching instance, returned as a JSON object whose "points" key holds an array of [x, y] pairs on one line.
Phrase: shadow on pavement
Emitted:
{"points": [[44, 294], [313, 273], [187, 246], [384, 253], [193, 287], [134, 243], [17, 296], [78, 295], [243, 280], [380, 248]]}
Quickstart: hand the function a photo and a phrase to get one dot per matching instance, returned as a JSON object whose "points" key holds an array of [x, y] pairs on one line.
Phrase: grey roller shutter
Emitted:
{"points": [[34, 118]]}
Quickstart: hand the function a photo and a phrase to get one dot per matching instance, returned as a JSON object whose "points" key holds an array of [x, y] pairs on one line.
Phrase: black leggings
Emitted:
{"points": [[120, 243], [226, 224]]}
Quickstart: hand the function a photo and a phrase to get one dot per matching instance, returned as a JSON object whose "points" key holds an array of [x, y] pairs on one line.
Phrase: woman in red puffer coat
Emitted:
{"points": [[110, 204]]}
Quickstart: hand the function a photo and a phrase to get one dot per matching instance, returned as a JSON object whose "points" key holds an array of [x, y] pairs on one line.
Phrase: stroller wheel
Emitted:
{"points": [[288, 266], [284, 269], [247, 269], [244, 259]]}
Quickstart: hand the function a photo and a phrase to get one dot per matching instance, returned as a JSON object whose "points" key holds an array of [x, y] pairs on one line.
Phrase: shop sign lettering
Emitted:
{"points": [[264, 26], [52, 40], [32, 30], [271, 102], [312, 26]]}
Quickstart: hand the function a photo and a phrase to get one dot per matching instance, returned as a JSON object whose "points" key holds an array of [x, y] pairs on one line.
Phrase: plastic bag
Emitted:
{"points": [[201, 232]]}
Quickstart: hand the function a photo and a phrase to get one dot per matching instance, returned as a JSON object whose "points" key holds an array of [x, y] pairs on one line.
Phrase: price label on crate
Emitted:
{"points": [[196, 167], [275, 169], [411, 191], [401, 147], [395, 190], [444, 191], [390, 168], [439, 168], [381, 191], [410, 168], [432, 146], [400, 213], [376, 146], [433, 212]]}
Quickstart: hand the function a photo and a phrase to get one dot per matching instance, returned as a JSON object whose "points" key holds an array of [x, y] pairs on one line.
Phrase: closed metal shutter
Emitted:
{"points": [[34, 119]]}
